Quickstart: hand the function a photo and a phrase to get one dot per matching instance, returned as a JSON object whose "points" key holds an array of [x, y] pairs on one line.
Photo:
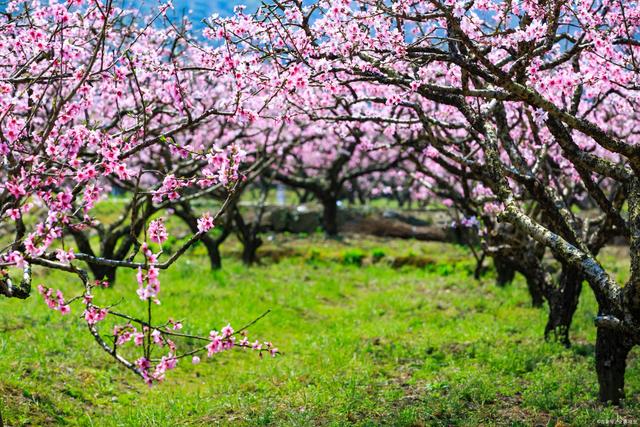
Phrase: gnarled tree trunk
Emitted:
{"points": [[563, 301], [612, 348], [533, 271], [529, 265]]}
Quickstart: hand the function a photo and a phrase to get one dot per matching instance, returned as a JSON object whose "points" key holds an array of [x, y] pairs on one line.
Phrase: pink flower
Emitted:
{"points": [[143, 363], [540, 117], [156, 336], [157, 231], [138, 338], [458, 9], [166, 6], [94, 315], [205, 222], [148, 284], [18, 259], [14, 213], [195, 360], [123, 334], [227, 331], [168, 188], [215, 346], [56, 302], [170, 361], [431, 152], [177, 326], [65, 257]]}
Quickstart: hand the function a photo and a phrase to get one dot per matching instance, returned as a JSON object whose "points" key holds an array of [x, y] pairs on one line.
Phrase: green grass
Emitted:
{"points": [[407, 338]]}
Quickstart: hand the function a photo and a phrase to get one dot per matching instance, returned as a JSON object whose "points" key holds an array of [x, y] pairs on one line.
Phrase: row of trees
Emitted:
{"points": [[521, 116]]}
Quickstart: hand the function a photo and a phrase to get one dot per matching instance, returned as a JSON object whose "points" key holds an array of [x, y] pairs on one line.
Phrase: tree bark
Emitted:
{"points": [[612, 348], [249, 251], [249, 237], [99, 272], [535, 285], [330, 215], [505, 270], [213, 251], [530, 267], [563, 301]]}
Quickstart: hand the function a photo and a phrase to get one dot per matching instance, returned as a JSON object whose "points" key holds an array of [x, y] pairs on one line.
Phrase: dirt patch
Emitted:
{"points": [[511, 411], [276, 255], [412, 261], [386, 227], [16, 400]]}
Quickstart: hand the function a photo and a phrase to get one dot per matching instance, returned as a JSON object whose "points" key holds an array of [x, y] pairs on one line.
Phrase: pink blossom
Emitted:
{"points": [[156, 337], [94, 315], [205, 222], [65, 257], [56, 302], [138, 338], [157, 231]]}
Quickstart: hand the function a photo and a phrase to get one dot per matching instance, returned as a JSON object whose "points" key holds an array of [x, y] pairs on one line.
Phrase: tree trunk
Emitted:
{"points": [[538, 280], [612, 348], [535, 287], [250, 249], [248, 234], [99, 272], [529, 266], [504, 269], [304, 196], [563, 301], [213, 251], [351, 197], [330, 216], [362, 198], [480, 268]]}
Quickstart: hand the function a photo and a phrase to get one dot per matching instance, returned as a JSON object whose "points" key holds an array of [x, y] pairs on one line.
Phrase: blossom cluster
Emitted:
{"points": [[94, 100], [54, 300]]}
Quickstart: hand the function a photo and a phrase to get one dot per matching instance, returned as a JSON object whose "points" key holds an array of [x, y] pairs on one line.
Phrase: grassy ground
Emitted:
{"points": [[411, 339]]}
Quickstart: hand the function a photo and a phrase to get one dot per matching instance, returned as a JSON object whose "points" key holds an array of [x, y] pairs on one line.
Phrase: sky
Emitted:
{"points": [[204, 8]]}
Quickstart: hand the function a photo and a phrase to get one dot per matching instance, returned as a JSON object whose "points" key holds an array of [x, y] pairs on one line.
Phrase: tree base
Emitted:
{"points": [[612, 348]]}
